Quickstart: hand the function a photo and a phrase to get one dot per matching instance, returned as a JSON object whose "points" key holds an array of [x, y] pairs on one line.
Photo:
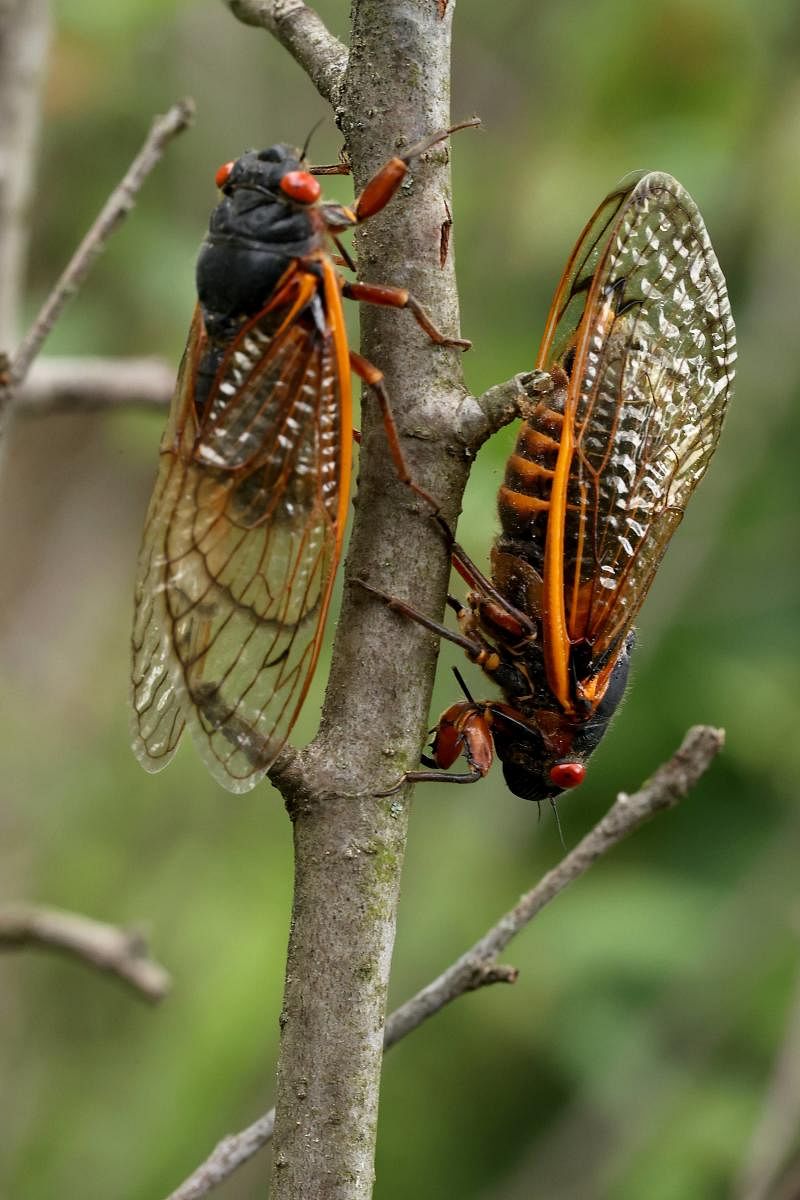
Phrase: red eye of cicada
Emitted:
{"points": [[223, 175], [568, 774], [301, 186]]}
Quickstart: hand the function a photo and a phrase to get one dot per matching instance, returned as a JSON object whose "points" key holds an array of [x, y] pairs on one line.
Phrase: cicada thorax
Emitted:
{"points": [[254, 238]]}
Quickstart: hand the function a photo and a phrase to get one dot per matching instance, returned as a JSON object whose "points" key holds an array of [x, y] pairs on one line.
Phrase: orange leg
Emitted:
{"points": [[472, 649], [472, 575], [373, 378], [395, 297], [383, 185]]}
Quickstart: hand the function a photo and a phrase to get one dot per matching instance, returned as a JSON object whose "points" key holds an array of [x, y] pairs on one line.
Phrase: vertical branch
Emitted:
{"points": [[349, 844], [24, 30]]}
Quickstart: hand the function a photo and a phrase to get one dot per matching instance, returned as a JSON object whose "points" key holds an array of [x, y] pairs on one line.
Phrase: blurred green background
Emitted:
{"points": [[632, 1056]]}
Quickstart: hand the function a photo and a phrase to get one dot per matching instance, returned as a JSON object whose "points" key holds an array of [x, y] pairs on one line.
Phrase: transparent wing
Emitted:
{"points": [[157, 720], [642, 326], [572, 294], [240, 548]]}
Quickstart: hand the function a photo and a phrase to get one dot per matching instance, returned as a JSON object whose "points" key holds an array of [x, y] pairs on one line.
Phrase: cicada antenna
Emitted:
{"points": [[463, 685], [554, 807], [307, 142]]}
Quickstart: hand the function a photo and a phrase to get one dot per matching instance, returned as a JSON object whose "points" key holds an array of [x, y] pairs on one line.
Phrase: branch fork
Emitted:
{"points": [[477, 968]]}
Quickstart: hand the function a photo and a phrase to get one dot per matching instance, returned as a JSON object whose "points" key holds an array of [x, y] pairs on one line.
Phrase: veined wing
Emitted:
{"points": [[570, 301], [650, 366], [242, 539]]}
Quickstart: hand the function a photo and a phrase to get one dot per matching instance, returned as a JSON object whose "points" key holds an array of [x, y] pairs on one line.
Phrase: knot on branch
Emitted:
{"points": [[479, 417]]}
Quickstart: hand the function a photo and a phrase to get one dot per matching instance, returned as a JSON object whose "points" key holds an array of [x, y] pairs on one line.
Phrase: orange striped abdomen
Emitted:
{"points": [[524, 499]]}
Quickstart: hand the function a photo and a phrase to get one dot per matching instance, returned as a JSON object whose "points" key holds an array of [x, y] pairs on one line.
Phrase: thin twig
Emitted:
{"points": [[228, 1155], [481, 416], [120, 952], [670, 784], [302, 32], [76, 385], [116, 208], [667, 787]]}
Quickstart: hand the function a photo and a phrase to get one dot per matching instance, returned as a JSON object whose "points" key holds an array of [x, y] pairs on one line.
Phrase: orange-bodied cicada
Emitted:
{"points": [[640, 347], [245, 526]]}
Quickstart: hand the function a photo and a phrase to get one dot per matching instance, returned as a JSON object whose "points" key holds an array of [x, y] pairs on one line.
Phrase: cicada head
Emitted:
{"points": [[261, 224], [533, 770], [278, 173], [530, 770], [546, 754]]}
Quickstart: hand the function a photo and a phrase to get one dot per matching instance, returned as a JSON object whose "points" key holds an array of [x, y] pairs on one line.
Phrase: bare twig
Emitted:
{"points": [[476, 968], [481, 416], [75, 385], [302, 32], [776, 1131], [668, 786], [116, 208], [228, 1155], [121, 952]]}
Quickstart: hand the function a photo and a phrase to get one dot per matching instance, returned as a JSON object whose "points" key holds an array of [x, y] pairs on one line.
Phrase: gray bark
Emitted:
{"points": [[349, 844]]}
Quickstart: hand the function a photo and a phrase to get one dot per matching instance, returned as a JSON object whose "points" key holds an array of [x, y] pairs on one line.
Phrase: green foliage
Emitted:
{"points": [[631, 1057]]}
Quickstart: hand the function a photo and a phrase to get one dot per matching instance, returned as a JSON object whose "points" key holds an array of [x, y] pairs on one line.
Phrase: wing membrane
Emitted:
{"points": [[241, 543], [642, 325]]}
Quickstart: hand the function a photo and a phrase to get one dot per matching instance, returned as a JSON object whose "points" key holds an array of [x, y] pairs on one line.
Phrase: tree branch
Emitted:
{"points": [[476, 968], [302, 32], [75, 385], [479, 417], [349, 844], [64, 385], [226, 1158], [119, 952], [116, 208], [669, 785]]}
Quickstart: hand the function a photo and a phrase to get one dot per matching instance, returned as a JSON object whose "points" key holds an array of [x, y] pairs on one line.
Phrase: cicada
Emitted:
{"points": [[244, 530], [640, 349]]}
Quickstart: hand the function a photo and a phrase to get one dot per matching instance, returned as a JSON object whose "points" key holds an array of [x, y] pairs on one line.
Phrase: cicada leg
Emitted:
{"points": [[395, 297], [373, 378], [472, 648], [384, 183], [462, 729]]}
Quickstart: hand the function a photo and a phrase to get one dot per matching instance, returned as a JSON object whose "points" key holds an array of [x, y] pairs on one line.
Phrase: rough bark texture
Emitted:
{"points": [[349, 845]]}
